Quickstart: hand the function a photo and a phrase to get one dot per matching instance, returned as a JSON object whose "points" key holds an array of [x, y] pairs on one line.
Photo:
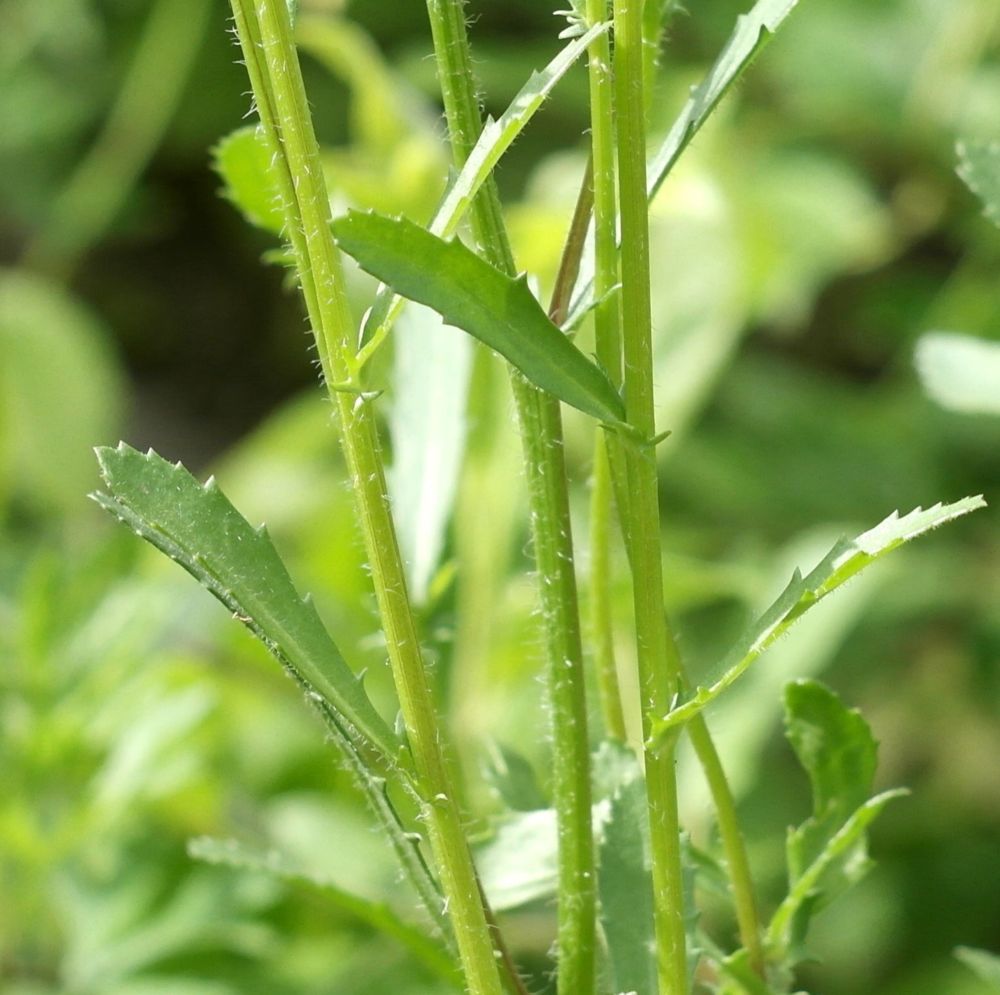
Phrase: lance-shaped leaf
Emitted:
{"points": [[752, 32], [495, 139], [198, 528], [846, 559], [828, 853], [979, 166], [376, 915], [472, 295]]}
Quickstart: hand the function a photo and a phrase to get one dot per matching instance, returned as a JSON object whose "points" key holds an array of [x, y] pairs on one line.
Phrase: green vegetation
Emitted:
{"points": [[555, 757]]}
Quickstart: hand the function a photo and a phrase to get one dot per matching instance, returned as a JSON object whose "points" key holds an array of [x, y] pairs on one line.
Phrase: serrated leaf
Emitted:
{"points": [[979, 167], [626, 892], [427, 425], [198, 528], [243, 162], [470, 294], [985, 964], [752, 32], [960, 372], [844, 561], [380, 917], [828, 852], [495, 139]]}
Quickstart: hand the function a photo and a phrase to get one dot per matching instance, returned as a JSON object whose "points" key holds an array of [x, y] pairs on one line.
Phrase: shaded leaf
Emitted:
{"points": [[979, 167], [960, 372], [198, 528], [470, 294], [847, 558], [427, 426], [243, 161], [513, 778], [495, 139], [377, 915], [985, 964]]}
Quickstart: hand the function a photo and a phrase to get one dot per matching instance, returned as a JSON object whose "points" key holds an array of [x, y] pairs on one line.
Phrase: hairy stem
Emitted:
{"points": [[541, 432], [265, 35], [658, 658]]}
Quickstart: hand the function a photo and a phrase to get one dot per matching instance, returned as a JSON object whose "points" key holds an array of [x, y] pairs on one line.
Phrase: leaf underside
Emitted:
{"points": [[472, 295], [847, 558]]}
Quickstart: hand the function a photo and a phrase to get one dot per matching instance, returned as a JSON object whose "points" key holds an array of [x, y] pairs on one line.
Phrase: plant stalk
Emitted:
{"points": [[540, 423], [658, 658], [265, 35]]}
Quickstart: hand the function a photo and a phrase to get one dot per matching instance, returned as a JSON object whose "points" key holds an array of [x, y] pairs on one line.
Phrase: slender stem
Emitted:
{"points": [[146, 102], [658, 659], [540, 422], [265, 34]]}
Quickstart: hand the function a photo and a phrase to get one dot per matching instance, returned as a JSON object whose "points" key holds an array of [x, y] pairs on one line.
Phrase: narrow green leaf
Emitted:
{"points": [[197, 527], [828, 852], [845, 560], [979, 167], [244, 163], [495, 139], [470, 294], [985, 964], [626, 891], [960, 372], [376, 915], [427, 425]]}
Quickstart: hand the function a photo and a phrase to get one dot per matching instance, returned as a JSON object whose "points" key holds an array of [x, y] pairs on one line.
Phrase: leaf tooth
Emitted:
{"points": [[211, 486]]}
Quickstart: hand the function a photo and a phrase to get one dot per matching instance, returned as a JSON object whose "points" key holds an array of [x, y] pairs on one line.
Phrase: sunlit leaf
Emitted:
{"points": [[845, 560], [244, 163], [828, 852], [427, 426], [960, 372], [985, 964], [979, 166], [198, 528], [470, 294]]}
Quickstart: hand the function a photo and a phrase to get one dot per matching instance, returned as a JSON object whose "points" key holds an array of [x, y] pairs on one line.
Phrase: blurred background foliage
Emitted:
{"points": [[812, 233]]}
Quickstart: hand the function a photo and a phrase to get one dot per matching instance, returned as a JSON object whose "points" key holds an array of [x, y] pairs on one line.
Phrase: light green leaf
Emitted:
{"points": [[470, 294], [984, 963], [979, 167], [495, 139], [380, 917], [960, 372], [427, 426], [244, 163], [752, 32], [198, 528], [828, 852], [626, 892], [845, 560]]}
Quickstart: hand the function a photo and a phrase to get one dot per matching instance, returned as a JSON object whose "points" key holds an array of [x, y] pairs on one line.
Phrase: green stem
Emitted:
{"points": [[658, 658], [145, 105], [540, 422], [265, 34]]}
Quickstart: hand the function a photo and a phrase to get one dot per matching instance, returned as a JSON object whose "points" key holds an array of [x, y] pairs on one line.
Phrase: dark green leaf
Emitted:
{"points": [[470, 294], [197, 527]]}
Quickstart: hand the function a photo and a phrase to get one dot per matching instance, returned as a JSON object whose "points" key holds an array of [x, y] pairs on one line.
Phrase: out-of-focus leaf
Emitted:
{"points": [[626, 892], [496, 137], [377, 915], [60, 392], [199, 529], [846, 559], [828, 852], [243, 162], [979, 167], [960, 372], [984, 963], [514, 779], [520, 864], [427, 426], [470, 294]]}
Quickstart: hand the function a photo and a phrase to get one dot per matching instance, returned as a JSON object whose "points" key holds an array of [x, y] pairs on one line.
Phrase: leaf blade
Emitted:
{"points": [[979, 168], [472, 295]]}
